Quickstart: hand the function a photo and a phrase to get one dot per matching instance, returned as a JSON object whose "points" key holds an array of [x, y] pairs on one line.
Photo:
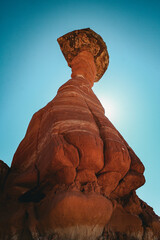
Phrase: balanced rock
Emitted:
{"points": [[73, 176]]}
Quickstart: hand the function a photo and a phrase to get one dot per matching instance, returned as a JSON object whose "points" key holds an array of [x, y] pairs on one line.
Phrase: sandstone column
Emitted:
{"points": [[73, 174]]}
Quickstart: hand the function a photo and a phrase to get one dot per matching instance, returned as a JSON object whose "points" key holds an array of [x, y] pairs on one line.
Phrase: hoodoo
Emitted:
{"points": [[73, 176]]}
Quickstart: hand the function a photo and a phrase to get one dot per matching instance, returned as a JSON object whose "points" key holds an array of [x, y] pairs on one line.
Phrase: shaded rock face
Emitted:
{"points": [[73, 176]]}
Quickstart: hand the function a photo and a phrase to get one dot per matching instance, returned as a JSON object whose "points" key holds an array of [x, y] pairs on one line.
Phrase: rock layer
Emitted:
{"points": [[73, 176], [70, 135]]}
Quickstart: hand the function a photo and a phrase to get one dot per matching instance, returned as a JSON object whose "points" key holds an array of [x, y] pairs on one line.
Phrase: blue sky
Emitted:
{"points": [[32, 69]]}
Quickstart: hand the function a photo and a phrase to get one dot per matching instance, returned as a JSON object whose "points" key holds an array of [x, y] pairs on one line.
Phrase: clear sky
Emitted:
{"points": [[32, 69]]}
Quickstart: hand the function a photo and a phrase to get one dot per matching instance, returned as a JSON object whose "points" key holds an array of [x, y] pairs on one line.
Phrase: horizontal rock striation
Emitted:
{"points": [[73, 176]]}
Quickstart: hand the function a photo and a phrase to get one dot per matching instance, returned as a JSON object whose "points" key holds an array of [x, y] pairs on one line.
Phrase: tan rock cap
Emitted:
{"points": [[85, 39]]}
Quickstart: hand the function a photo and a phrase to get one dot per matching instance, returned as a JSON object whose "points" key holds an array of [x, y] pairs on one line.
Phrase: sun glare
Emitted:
{"points": [[111, 109]]}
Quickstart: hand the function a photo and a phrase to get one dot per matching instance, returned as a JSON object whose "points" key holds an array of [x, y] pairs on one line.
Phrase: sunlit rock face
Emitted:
{"points": [[73, 176], [70, 141]]}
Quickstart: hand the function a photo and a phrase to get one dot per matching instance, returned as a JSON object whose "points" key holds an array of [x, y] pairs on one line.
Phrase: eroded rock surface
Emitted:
{"points": [[73, 176]]}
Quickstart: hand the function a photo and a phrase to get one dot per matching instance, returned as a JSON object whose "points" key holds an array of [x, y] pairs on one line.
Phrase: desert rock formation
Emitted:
{"points": [[73, 176]]}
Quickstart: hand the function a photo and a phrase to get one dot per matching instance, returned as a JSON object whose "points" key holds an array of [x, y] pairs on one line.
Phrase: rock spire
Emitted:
{"points": [[73, 176]]}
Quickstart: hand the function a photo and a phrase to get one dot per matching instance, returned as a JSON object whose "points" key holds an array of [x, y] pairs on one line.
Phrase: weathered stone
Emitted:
{"points": [[125, 224], [136, 164], [131, 181], [108, 181], [74, 215], [86, 39], [73, 176], [4, 170], [85, 176]]}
